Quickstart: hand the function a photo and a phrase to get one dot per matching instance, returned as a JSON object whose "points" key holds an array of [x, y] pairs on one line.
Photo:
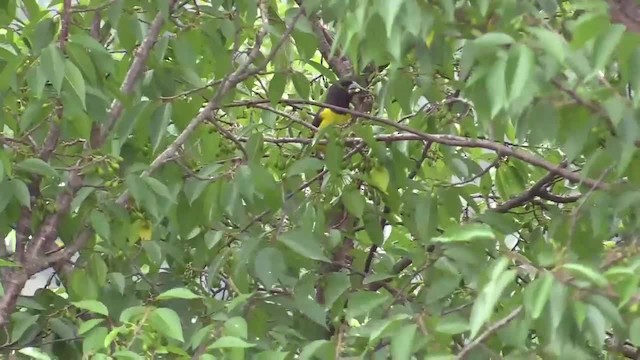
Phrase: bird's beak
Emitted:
{"points": [[354, 88]]}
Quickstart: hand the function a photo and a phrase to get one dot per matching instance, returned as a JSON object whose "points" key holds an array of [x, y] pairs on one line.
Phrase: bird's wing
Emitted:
{"points": [[317, 119]]}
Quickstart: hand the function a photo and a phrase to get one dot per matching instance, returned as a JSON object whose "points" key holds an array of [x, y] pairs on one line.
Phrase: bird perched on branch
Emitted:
{"points": [[339, 94]]}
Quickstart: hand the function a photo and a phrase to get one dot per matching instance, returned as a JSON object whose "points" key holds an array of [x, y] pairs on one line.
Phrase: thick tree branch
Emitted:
{"points": [[454, 140], [339, 64], [626, 12], [49, 228], [228, 83], [527, 195], [101, 131]]}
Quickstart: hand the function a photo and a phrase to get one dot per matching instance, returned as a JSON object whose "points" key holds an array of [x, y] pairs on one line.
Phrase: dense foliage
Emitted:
{"points": [[158, 155]]}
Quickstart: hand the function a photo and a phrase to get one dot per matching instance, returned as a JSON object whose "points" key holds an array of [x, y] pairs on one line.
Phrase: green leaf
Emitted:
{"points": [[42, 35], [452, 324], [34, 353], [608, 309], [484, 305], [466, 232], [21, 323], [5, 196], [379, 177], [389, 9], [304, 165], [127, 354], [21, 192], [596, 325], [133, 313], [178, 293], [118, 281], [94, 340], [86, 326], [304, 298], [301, 84], [75, 79], [35, 113], [112, 335], [401, 86], [7, 263], [37, 166], [100, 224], [363, 302], [537, 294], [551, 42], [354, 201], [230, 342], [587, 27], [159, 122], [167, 322], [488, 41], [372, 228], [36, 79], [93, 306], [159, 188], [304, 244], [337, 284], [88, 42], [402, 342], [587, 273], [236, 326], [520, 67], [53, 65], [276, 87], [634, 331], [496, 86], [98, 269], [271, 355], [313, 347], [605, 46], [270, 265]]}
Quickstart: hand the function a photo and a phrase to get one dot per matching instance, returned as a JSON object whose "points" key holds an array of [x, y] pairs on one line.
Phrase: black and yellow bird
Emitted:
{"points": [[339, 94]]}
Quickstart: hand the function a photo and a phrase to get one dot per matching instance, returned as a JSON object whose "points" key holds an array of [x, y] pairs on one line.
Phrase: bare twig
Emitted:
{"points": [[527, 195], [227, 134], [454, 140], [495, 163], [590, 105], [288, 116], [490, 331]]}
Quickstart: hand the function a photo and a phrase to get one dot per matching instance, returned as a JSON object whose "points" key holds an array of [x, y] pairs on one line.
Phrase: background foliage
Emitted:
{"points": [[158, 156]]}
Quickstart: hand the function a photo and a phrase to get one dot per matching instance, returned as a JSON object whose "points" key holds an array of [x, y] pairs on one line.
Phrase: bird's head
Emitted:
{"points": [[351, 86]]}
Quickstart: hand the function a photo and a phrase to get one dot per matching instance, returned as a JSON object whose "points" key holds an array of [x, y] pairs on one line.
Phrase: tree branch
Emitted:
{"points": [[626, 12], [228, 83], [490, 331], [339, 64], [101, 132], [49, 228], [454, 140]]}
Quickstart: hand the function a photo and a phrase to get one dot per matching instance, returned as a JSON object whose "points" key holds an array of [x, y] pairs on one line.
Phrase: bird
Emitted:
{"points": [[339, 94]]}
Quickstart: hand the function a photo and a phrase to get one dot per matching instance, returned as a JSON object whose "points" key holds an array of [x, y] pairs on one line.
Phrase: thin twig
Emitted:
{"points": [[227, 134], [490, 331], [131, 79], [495, 163], [228, 83], [453, 140]]}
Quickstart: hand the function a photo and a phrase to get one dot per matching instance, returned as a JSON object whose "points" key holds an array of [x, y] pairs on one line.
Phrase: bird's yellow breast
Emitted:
{"points": [[330, 117]]}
